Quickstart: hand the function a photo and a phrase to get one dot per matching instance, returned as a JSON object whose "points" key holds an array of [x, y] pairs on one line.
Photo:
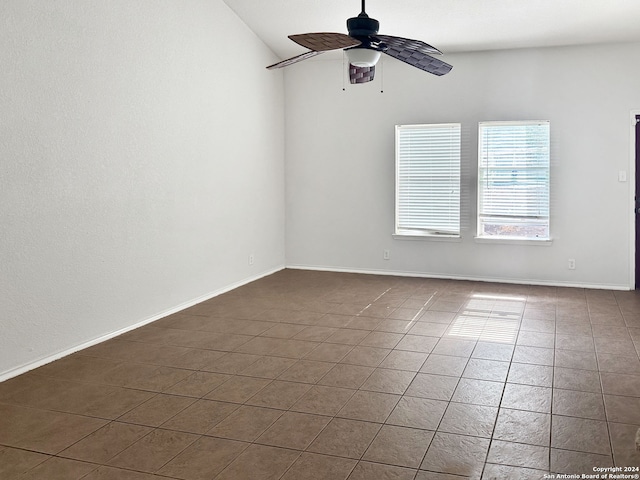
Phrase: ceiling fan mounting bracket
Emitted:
{"points": [[362, 26]]}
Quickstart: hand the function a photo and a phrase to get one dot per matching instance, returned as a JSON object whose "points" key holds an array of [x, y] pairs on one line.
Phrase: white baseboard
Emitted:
{"points": [[14, 372], [472, 278]]}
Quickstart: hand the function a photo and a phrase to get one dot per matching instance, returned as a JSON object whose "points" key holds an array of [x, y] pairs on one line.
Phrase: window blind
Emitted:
{"points": [[513, 179], [428, 179]]}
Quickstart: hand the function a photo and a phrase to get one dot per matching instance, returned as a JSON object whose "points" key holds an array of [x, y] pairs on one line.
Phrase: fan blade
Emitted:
{"points": [[292, 60], [361, 74], [401, 43], [419, 60], [321, 42]]}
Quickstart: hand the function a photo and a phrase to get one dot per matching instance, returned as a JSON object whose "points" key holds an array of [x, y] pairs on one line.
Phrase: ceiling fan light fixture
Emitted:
{"points": [[363, 57]]}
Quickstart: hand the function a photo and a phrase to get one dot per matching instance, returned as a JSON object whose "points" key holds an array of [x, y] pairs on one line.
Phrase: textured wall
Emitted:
{"points": [[340, 162], [141, 162]]}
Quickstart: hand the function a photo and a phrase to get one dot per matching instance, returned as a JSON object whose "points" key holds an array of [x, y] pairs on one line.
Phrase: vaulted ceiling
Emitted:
{"points": [[450, 25]]}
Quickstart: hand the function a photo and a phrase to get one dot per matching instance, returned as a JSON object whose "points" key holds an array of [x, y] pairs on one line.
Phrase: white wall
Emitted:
{"points": [[340, 162], [141, 162]]}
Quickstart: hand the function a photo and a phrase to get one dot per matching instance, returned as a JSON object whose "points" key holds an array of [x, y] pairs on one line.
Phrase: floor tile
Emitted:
{"points": [[574, 359], [620, 384], [400, 446], [153, 451], [577, 463], [579, 343], [519, 455], [369, 406], [536, 339], [238, 389], [313, 466], [436, 387], [59, 469], [615, 346], [283, 330], [527, 397], [329, 352], [533, 355], [428, 329], [388, 381], [348, 336], [456, 454], [200, 417], [345, 438], [454, 347], [493, 351], [424, 475], [499, 472], [444, 365], [580, 435], [112, 473], [203, 459], [366, 356], [417, 413], [231, 363], [268, 367], [417, 343], [279, 394], [623, 442], [466, 419], [618, 364], [44, 432], [323, 400], [346, 376], [622, 409], [294, 430], [306, 371], [523, 427], [368, 470], [574, 379], [14, 462], [529, 374], [260, 462], [157, 410], [247, 423], [403, 360], [486, 370], [381, 340], [571, 403], [479, 392], [105, 443], [315, 333]]}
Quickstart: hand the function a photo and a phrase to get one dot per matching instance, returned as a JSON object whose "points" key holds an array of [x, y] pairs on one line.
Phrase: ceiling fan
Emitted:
{"points": [[363, 47]]}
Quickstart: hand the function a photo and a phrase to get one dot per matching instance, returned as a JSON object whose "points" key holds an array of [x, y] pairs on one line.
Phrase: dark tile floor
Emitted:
{"points": [[316, 375]]}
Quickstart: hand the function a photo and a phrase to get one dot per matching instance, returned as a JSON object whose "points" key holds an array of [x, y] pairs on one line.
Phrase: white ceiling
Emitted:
{"points": [[450, 25]]}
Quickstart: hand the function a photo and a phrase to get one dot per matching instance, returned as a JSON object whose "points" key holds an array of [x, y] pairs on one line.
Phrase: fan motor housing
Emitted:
{"points": [[362, 26]]}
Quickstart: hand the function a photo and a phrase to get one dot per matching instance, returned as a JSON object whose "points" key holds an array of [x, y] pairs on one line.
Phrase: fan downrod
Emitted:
{"points": [[362, 25]]}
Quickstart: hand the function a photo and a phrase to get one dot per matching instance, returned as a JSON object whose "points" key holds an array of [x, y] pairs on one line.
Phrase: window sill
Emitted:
{"points": [[514, 241], [427, 237]]}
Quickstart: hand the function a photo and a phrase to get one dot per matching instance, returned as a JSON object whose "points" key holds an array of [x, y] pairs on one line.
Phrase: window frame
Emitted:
{"points": [[480, 237], [413, 231]]}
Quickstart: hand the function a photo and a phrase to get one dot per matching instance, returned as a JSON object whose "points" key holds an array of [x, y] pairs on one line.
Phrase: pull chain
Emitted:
{"points": [[382, 75], [343, 70]]}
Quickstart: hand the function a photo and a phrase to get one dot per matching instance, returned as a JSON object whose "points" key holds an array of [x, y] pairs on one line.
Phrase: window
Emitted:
{"points": [[428, 179], [513, 180]]}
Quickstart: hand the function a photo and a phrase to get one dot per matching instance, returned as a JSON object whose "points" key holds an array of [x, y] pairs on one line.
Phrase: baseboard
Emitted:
{"points": [[14, 372], [515, 281]]}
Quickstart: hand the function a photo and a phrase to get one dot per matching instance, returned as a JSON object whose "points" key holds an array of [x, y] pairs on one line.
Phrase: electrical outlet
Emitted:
{"points": [[251, 259], [572, 264], [386, 254]]}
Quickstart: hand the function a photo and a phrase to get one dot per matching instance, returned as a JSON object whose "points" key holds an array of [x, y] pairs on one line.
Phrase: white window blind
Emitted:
{"points": [[428, 179], [513, 180]]}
